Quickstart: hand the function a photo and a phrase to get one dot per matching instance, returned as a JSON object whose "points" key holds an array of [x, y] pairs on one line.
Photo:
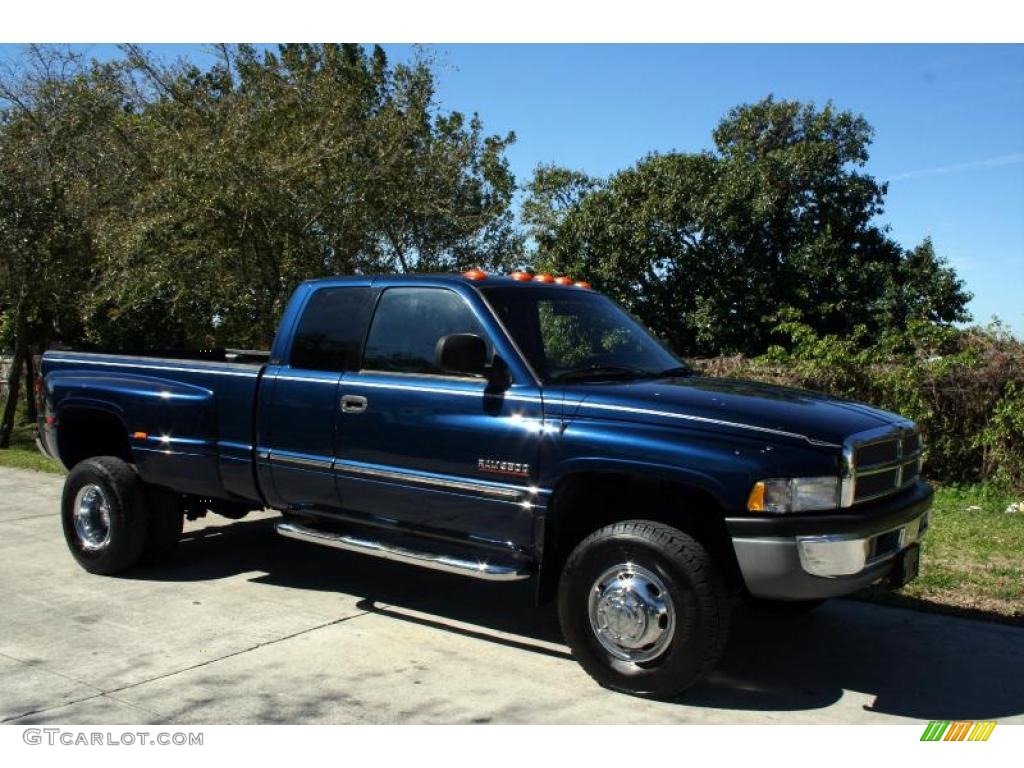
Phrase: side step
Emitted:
{"points": [[466, 566]]}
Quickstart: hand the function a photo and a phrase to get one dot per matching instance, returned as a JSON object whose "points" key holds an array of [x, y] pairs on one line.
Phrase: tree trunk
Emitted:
{"points": [[30, 388], [13, 380]]}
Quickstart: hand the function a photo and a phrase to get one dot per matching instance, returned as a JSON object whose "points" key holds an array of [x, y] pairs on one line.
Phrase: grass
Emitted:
{"points": [[972, 559], [23, 454]]}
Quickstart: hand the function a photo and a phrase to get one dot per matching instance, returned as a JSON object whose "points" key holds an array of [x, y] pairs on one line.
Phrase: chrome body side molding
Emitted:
{"points": [[324, 464], [498, 492]]}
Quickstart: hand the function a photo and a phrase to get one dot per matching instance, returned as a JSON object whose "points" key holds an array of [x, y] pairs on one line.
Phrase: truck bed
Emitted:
{"points": [[188, 420]]}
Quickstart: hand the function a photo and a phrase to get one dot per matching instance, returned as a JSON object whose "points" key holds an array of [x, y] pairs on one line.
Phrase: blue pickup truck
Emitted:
{"points": [[502, 428]]}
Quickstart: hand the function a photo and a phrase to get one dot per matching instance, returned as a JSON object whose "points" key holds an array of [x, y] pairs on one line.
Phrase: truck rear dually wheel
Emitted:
{"points": [[103, 512], [643, 608]]}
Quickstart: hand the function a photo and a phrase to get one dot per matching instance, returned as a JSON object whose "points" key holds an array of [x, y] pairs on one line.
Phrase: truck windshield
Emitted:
{"points": [[575, 335]]}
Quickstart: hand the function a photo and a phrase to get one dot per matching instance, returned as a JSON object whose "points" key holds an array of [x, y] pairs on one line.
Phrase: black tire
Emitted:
{"points": [[787, 607], [119, 491], [699, 600], [166, 516]]}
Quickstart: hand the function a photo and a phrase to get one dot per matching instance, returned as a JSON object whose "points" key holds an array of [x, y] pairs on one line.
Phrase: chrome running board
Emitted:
{"points": [[475, 568]]}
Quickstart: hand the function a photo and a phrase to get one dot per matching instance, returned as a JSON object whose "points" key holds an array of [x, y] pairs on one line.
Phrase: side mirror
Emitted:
{"points": [[464, 353]]}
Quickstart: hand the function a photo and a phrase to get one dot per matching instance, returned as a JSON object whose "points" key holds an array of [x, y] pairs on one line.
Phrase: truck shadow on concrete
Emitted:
{"points": [[915, 665]]}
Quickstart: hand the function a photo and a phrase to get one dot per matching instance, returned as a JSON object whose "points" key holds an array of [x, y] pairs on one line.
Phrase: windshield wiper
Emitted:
{"points": [[602, 372], [678, 372]]}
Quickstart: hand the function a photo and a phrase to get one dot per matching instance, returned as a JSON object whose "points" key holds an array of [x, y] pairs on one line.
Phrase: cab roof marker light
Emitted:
{"points": [[544, 277], [475, 274], [582, 284], [521, 277], [563, 280]]}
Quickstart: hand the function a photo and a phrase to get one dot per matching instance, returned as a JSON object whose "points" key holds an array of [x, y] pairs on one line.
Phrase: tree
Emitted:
{"points": [[274, 168], [44, 248], [712, 249], [927, 288], [157, 205], [551, 194], [146, 205]]}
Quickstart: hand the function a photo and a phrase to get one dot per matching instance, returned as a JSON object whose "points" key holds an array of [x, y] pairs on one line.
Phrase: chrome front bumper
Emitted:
{"points": [[849, 554]]}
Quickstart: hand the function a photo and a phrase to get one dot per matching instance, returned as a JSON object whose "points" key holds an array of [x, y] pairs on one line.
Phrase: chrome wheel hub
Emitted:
{"points": [[92, 517], [631, 613]]}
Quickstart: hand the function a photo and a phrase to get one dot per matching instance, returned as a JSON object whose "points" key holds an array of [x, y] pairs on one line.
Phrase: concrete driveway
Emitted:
{"points": [[245, 626]]}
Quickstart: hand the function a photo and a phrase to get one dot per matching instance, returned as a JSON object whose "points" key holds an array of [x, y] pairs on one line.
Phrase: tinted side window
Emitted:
{"points": [[408, 324], [332, 329]]}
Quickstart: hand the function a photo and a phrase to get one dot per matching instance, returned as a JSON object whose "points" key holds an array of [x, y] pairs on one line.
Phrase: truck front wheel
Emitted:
{"points": [[643, 608], [103, 512]]}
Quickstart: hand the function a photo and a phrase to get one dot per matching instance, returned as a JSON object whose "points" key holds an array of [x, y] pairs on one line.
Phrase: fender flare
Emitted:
{"points": [[654, 470]]}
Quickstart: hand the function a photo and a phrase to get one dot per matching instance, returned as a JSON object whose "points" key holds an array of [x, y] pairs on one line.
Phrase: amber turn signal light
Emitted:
{"points": [[755, 502], [474, 274]]}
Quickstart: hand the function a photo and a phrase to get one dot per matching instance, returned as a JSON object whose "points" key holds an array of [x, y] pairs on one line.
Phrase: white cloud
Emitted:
{"points": [[992, 162]]}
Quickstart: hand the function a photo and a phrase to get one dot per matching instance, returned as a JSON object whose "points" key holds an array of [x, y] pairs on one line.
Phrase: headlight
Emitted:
{"points": [[796, 494]]}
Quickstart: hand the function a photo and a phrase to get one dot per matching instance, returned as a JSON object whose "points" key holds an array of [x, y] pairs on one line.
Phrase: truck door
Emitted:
{"points": [[299, 399], [433, 451]]}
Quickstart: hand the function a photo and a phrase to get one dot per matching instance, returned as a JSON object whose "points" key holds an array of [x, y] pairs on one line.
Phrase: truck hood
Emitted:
{"points": [[732, 405]]}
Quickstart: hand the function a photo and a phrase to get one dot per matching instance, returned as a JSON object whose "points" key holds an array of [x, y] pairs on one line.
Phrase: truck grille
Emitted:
{"points": [[880, 463]]}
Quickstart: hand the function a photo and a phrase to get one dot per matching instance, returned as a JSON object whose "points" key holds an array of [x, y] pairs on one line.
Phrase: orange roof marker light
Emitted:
{"points": [[563, 280], [544, 277], [521, 276], [582, 284], [475, 274]]}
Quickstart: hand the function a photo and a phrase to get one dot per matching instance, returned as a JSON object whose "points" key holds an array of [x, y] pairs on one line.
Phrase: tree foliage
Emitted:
{"points": [[45, 250], [200, 198], [713, 250]]}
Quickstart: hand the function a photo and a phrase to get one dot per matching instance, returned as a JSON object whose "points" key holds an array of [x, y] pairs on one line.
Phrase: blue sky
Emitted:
{"points": [[949, 124]]}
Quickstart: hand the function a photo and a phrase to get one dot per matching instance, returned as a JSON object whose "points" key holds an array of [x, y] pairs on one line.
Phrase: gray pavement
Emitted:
{"points": [[245, 626]]}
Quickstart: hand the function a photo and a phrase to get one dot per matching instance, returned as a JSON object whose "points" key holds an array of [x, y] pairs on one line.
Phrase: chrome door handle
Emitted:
{"points": [[353, 404]]}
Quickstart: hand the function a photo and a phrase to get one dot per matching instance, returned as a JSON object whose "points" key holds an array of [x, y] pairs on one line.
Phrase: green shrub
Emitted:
{"points": [[1002, 440]]}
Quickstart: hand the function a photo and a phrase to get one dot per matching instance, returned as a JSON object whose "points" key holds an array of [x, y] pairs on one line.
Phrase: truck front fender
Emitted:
{"points": [[688, 476]]}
